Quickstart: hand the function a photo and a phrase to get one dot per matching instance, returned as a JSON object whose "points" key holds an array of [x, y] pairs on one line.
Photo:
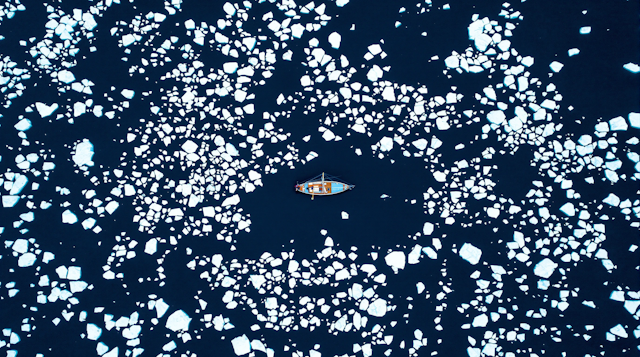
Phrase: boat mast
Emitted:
{"points": [[323, 188]]}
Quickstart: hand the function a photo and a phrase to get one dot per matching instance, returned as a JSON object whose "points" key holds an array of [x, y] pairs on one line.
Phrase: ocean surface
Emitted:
{"points": [[149, 152]]}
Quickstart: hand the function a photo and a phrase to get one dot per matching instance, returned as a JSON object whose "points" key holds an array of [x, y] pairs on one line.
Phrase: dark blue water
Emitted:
{"points": [[440, 297]]}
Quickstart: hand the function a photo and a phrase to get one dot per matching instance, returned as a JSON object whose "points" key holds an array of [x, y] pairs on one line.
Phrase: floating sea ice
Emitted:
{"points": [[128, 93], [618, 124], [345, 215], [341, 3], [93, 332], [420, 144], [568, 209], [556, 66], [178, 321], [374, 73], [229, 9], [427, 229], [572, 52], [46, 110], [151, 246], [480, 321], [496, 117], [334, 40], [470, 253], [69, 217], [634, 120], [190, 147], [386, 144], [241, 345], [83, 153], [585, 30], [619, 331], [395, 260], [612, 200], [26, 260], [452, 61], [632, 67], [23, 125], [74, 273], [328, 135], [231, 201], [231, 149], [377, 308], [66, 76], [545, 268], [230, 67]]}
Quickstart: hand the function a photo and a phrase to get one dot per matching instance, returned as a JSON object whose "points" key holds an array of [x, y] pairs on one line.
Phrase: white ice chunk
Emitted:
{"points": [[74, 273], [66, 76], [69, 217], [612, 200], [618, 124], [151, 246], [634, 120], [420, 144], [632, 67], [585, 30], [230, 67], [231, 149], [377, 308], [480, 321], [334, 40], [568, 209], [23, 125], [556, 66], [470, 253], [427, 229], [345, 215], [178, 321], [496, 117], [375, 73], [395, 260], [26, 260], [241, 345], [328, 135], [128, 93], [386, 144], [161, 308], [231, 201], [93, 332], [83, 153], [619, 331], [190, 147], [573, 51], [545, 268], [46, 110], [229, 9]]}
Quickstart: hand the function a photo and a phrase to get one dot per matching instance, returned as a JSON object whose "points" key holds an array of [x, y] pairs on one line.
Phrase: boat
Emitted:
{"points": [[323, 185]]}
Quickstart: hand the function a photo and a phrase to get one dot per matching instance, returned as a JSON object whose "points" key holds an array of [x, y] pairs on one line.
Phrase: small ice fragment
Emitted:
{"points": [[619, 331], [190, 147], [74, 273], [377, 308], [427, 229], [386, 144], [328, 135], [585, 30], [573, 51], [470, 253], [127, 93], [395, 260], [618, 124], [568, 209], [46, 110], [83, 153], [26, 260], [241, 345], [66, 76], [334, 40], [496, 117], [231, 149], [230, 67], [69, 217], [151, 246], [420, 144], [345, 215], [632, 67], [178, 321], [480, 321], [545, 268], [231, 201], [229, 9], [634, 120], [612, 200], [341, 3], [93, 332], [23, 125], [556, 66]]}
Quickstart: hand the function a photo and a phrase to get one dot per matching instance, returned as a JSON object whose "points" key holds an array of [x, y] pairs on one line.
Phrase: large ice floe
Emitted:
{"points": [[140, 139]]}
